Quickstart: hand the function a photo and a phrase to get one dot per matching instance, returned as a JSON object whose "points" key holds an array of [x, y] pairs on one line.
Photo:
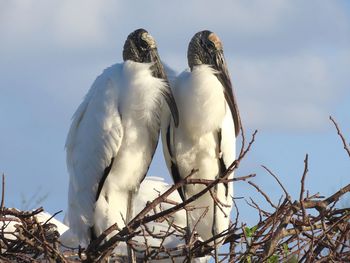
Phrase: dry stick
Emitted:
{"points": [[206, 209], [255, 206], [226, 174], [346, 147], [142, 217], [202, 247], [302, 187], [342, 240], [277, 235], [263, 194], [55, 214], [23, 257], [320, 247], [312, 226], [234, 226], [95, 248], [335, 197], [278, 181], [176, 186], [267, 224], [336, 220], [147, 252], [31, 243], [232, 252], [21, 214], [166, 235], [43, 239], [218, 203], [237, 215], [303, 178]]}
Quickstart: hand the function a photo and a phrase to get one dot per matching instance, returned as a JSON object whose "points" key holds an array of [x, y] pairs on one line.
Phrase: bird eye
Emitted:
{"points": [[213, 42], [211, 45], [147, 41], [144, 44], [142, 41]]}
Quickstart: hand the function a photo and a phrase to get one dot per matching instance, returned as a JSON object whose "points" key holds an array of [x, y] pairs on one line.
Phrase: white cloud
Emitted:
{"points": [[86, 22], [289, 61], [77, 24], [70, 24], [289, 92], [288, 58]]}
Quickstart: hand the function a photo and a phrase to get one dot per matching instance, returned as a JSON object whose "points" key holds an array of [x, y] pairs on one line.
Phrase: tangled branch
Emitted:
{"points": [[309, 229]]}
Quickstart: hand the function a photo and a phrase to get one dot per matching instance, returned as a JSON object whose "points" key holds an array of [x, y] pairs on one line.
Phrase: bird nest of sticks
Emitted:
{"points": [[310, 229]]}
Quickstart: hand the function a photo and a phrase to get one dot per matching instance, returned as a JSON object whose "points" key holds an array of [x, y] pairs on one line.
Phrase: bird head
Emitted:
{"points": [[141, 47], [205, 48]]}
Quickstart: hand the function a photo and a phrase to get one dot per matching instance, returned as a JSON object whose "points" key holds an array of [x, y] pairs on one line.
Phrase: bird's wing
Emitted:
{"points": [[228, 139], [227, 146], [92, 143], [169, 155], [167, 130]]}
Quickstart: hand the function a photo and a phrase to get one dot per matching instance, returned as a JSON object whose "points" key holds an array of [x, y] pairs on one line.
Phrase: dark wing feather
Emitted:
{"points": [[222, 166], [173, 166]]}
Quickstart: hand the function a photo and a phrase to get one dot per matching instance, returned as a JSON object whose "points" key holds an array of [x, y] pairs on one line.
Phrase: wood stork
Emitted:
{"points": [[149, 190], [205, 137], [113, 136]]}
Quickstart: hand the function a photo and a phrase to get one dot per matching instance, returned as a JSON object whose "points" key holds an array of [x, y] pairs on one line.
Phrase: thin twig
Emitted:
{"points": [[346, 146]]}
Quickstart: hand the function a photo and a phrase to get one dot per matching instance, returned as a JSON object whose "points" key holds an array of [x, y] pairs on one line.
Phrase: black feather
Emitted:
{"points": [[174, 169], [103, 179], [222, 166]]}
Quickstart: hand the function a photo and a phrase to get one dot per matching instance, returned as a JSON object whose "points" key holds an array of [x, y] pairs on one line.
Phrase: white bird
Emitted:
{"points": [[113, 136], [149, 190], [206, 134], [8, 224]]}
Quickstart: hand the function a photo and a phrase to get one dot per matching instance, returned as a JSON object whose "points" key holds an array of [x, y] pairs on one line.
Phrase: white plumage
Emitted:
{"points": [[205, 137], [149, 189], [113, 137], [203, 111], [98, 134]]}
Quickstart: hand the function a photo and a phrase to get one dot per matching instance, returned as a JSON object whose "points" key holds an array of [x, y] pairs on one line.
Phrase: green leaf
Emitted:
{"points": [[254, 228], [250, 231], [272, 259], [285, 249]]}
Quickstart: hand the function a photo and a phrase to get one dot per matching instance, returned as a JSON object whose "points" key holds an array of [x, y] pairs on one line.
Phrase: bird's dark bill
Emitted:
{"points": [[159, 72], [224, 78]]}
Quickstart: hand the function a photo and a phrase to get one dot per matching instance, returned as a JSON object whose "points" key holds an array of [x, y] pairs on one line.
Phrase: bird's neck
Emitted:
{"points": [[142, 100], [202, 100]]}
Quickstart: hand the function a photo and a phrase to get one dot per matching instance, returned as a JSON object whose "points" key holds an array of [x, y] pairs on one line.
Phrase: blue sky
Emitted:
{"points": [[289, 62]]}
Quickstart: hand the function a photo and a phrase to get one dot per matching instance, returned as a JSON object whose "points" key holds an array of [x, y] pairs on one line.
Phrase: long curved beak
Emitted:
{"points": [[224, 78], [159, 72]]}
